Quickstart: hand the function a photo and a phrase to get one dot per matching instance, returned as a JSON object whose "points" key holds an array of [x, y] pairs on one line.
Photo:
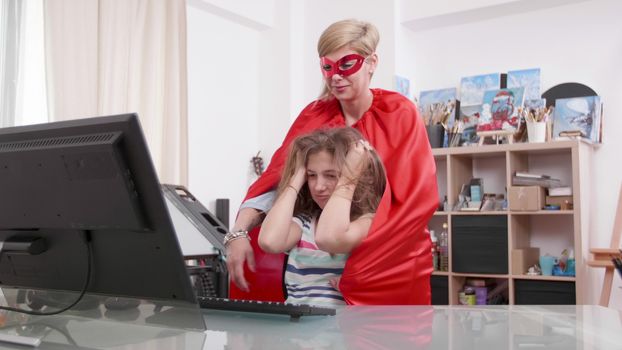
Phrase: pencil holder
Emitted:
{"points": [[436, 135], [536, 131]]}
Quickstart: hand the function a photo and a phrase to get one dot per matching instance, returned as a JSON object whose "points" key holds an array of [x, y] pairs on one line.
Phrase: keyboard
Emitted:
{"points": [[295, 311]]}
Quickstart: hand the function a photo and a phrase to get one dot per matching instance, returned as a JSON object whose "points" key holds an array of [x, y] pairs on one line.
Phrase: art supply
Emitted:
{"points": [[546, 264], [444, 249]]}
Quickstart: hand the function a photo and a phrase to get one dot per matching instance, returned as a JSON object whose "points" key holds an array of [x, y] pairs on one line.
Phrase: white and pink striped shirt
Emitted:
{"points": [[309, 269]]}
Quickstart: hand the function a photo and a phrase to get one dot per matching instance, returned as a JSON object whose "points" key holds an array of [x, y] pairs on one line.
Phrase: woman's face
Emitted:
{"points": [[322, 177], [353, 86]]}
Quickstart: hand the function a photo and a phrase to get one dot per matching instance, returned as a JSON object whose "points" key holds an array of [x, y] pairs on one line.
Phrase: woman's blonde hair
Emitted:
{"points": [[360, 36], [336, 142]]}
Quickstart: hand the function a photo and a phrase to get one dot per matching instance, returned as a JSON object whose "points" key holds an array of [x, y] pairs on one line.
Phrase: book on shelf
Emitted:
{"points": [[543, 182], [530, 175], [560, 191]]}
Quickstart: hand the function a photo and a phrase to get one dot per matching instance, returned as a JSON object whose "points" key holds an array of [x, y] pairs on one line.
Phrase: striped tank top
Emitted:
{"points": [[309, 270]]}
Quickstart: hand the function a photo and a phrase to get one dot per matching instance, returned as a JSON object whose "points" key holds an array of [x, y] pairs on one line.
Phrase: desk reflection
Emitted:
{"points": [[363, 327], [420, 327]]}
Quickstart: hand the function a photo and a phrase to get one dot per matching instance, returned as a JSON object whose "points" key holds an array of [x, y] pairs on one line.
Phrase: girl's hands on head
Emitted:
{"points": [[300, 176], [356, 159]]}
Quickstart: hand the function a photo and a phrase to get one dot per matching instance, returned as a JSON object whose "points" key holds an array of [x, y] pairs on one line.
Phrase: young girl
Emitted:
{"points": [[331, 186]]}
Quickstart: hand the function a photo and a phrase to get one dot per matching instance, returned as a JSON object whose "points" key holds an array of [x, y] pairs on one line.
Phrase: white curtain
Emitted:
{"points": [[11, 16], [108, 57]]}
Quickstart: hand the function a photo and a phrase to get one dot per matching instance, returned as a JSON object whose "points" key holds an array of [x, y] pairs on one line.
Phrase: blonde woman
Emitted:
{"points": [[393, 263]]}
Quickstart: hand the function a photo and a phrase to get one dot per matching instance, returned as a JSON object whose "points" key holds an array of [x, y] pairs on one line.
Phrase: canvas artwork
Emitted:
{"points": [[434, 96], [430, 97], [535, 104], [472, 88], [499, 110], [402, 85], [468, 124], [528, 79], [581, 115]]}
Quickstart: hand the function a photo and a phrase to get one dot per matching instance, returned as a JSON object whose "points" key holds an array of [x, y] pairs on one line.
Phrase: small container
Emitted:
{"points": [[469, 296], [434, 250]]}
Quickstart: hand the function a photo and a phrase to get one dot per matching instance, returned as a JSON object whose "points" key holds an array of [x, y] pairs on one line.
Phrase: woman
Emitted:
{"points": [[326, 200], [393, 264]]}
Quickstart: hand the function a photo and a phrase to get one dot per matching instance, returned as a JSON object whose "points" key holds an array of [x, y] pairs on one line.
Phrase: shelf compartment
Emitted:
{"points": [[502, 282], [440, 290], [479, 244], [544, 292], [551, 236]]}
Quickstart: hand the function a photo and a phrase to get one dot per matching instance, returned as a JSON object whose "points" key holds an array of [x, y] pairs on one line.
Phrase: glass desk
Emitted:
{"points": [[358, 327], [420, 327]]}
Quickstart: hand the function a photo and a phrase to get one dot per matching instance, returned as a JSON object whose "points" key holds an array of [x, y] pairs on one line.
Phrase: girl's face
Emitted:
{"points": [[352, 86], [322, 177]]}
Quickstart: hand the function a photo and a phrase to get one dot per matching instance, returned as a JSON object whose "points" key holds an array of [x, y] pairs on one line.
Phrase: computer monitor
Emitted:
{"points": [[65, 182]]}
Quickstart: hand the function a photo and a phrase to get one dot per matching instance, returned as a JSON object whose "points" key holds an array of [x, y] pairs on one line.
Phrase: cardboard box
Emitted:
{"points": [[565, 202], [525, 198], [524, 258]]}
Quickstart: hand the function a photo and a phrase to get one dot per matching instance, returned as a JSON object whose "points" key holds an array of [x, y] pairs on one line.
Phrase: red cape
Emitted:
{"points": [[394, 263]]}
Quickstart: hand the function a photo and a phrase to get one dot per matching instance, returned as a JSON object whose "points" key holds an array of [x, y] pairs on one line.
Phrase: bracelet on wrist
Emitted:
{"points": [[293, 188], [232, 236]]}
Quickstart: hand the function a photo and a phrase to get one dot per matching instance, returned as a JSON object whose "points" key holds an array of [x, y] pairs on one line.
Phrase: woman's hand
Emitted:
{"points": [[239, 252]]}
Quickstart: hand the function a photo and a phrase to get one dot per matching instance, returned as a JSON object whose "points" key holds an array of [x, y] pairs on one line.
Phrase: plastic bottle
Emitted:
{"points": [[444, 249], [434, 250]]}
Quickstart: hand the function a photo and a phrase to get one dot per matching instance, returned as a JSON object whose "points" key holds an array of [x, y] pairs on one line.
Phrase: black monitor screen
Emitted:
{"points": [[65, 181]]}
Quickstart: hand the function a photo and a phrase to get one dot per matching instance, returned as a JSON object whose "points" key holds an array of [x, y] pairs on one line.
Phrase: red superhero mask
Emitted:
{"points": [[345, 66]]}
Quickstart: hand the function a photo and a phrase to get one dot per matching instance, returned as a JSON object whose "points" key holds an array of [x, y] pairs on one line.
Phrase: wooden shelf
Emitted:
{"points": [[552, 147], [545, 278], [478, 275], [550, 230], [479, 213], [440, 273], [544, 212]]}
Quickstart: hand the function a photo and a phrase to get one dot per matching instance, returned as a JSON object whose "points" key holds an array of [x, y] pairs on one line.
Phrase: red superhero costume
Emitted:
{"points": [[394, 263]]}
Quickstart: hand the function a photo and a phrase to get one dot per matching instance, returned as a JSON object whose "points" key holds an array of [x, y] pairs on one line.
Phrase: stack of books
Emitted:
{"points": [[529, 179]]}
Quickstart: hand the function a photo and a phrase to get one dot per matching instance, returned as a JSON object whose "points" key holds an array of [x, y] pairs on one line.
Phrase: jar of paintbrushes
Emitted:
{"points": [[538, 120], [436, 118]]}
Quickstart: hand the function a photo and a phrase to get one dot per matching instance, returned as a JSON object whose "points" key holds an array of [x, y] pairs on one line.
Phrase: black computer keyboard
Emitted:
{"points": [[295, 311]]}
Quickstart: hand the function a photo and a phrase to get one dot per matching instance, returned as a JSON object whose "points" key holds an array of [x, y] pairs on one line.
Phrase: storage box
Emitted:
{"points": [[523, 258], [480, 244], [523, 198], [544, 293], [564, 202], [440, 290]]}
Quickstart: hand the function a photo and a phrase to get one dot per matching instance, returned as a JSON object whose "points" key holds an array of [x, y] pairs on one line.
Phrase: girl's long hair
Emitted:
{"points": [[336, 142]]}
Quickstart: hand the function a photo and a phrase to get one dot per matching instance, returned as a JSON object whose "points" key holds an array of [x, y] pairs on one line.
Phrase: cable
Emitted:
{"points": [[89, 246]]}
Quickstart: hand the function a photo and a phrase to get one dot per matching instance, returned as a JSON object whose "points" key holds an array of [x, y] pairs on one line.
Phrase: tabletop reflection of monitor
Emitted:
{"points": [[66, 181]]}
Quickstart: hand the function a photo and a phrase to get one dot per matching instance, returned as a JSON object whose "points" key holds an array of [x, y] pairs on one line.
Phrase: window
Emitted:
{"points": [[23, 98]]}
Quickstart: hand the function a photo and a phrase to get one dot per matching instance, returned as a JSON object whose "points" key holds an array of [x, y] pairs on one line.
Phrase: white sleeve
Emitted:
{"points": [[262, 202]]}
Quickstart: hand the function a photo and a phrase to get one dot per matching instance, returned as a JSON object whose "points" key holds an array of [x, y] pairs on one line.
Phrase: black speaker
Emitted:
{"points": [[222, 210]]}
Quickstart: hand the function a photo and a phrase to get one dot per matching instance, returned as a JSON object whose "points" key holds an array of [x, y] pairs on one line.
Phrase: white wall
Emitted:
{"points": [[579, 42], [223, 106]]}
